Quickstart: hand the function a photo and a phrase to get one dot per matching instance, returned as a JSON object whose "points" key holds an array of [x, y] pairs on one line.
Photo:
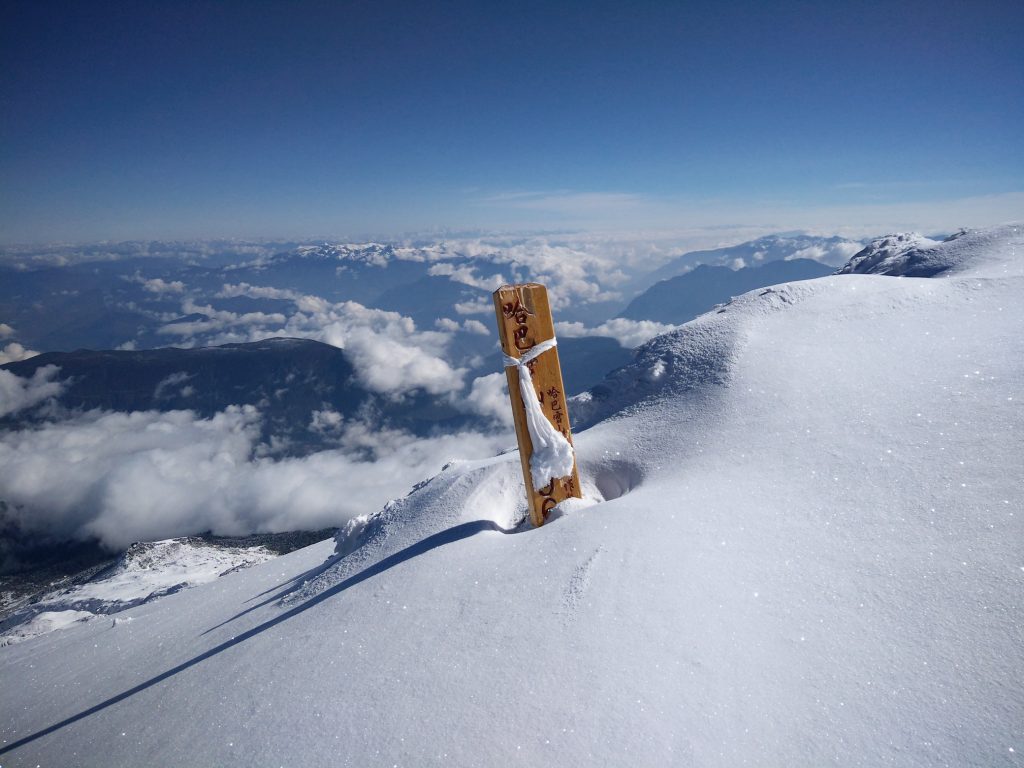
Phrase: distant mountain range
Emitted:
{"points": [[833, 251], [682, 298], [126, 296]]}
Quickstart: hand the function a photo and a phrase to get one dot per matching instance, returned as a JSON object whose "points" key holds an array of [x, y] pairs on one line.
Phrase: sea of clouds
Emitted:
{"points": [[143, 476]]}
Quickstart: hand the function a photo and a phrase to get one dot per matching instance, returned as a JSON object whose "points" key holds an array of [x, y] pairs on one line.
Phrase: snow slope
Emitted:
{"points": [[810, 551]]}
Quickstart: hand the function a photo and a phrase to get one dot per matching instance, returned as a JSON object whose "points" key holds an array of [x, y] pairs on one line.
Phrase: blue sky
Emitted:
{"points": [[183, 119]]}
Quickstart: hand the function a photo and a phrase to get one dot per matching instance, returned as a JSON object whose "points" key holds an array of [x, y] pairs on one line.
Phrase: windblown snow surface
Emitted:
{"points": [[804, 545]]}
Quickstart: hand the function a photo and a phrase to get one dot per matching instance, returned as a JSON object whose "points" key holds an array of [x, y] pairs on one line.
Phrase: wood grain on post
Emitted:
{"points": [[524, 320]]}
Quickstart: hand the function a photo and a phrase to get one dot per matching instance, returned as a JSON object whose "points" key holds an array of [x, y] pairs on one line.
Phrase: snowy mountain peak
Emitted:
{"points": [[913, 255], [374, 254], [885, 254]]}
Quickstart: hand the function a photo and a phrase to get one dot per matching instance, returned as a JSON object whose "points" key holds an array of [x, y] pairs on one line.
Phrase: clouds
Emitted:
{"points": [[156, 285], [159, 285], [391, 356], [17, 393], [629, 333], [215, 323], [573, 275], [467, 326], [835, 254], [229, 290], [125, 477], [389, 366], [14, 352], [174, 385], [488, 397], [478, 307], [466, 275]]}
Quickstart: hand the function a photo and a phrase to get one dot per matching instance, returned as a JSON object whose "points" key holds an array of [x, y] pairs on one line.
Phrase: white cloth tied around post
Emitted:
{"points": [[553, 456]]}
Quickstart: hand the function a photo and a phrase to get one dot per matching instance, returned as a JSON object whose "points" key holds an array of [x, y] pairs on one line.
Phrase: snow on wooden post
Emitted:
{"points": [[527, 335]]}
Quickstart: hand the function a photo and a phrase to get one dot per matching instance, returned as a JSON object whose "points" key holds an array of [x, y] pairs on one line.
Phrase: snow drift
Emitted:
{"points": [[803, 546]]}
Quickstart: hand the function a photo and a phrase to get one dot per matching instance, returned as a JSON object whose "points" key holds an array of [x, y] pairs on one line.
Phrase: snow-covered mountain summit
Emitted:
{"points": [[779, 247], [883, 252], [802, 545], [373, 254], [913, 255]]}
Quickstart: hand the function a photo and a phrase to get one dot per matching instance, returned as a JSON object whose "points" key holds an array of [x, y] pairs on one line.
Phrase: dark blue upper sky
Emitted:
{"points": [[184, 119]]}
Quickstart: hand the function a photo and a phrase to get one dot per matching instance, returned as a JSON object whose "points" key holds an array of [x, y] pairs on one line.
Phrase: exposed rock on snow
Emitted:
{"points": [[888, 255], [913, 255], [145, 572]]}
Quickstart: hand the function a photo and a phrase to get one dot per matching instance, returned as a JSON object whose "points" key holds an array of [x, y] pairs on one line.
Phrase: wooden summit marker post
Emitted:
{"points": [[524, 322]]}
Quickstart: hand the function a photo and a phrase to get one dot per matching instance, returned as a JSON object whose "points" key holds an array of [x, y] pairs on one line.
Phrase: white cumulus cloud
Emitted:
{"points": [[389, 366], [173, 381], [629, 333], [159, 285], [390, 354], [230, 290], [469, 326], [466, 275], [17, 393], [573, 275], [488, 397], [835, 254], [479, 307], [14, 352]]}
